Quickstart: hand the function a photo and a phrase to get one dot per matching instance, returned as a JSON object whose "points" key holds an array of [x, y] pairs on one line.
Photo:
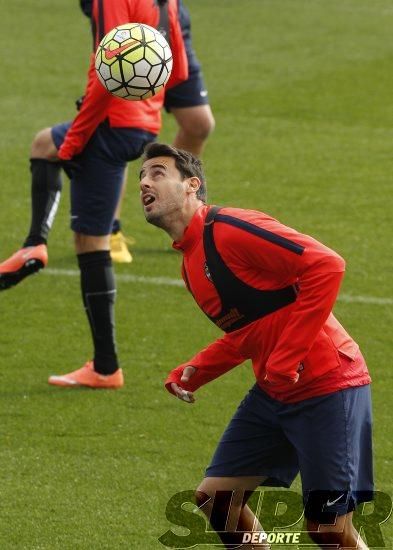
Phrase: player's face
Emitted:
{"points": [[163, 191]]}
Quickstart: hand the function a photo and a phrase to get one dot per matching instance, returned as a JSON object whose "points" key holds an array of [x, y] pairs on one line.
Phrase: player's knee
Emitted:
{"points": [[203, 501], [206, 126], [330, 534], [215, 509], [202, 127], [196, 123], [217, 505], [43, 146]]}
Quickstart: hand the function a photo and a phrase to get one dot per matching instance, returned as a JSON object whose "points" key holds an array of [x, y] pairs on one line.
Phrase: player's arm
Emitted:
{"points": [[93, 111], [319, 284], [283, 256], [210, 363]]}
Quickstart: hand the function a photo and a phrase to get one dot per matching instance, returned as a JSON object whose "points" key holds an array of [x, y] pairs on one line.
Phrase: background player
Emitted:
{"points": [[271, 289], [189, 104], [106, 134]]}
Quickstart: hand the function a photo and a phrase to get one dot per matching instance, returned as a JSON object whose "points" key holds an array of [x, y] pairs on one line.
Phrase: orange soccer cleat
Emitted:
{"points": [[24, 262], [88, 377]]}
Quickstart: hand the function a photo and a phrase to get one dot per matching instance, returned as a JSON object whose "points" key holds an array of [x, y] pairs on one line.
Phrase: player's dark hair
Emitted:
{"points": [[188, 165]]}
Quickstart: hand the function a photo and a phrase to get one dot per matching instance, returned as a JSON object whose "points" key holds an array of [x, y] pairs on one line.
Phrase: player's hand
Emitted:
{"points": [[182, 394], [79, 102], [70, 167]]}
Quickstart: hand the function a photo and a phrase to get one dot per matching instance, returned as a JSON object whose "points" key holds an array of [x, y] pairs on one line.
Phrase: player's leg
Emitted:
{"points": [[252, 451], [98, 291], [332, 436], [46, 183], [224, 502], [46, 188], [95, 191]]}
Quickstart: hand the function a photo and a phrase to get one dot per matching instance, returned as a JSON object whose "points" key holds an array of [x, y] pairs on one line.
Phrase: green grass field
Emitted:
{"points": [[302, 94]]}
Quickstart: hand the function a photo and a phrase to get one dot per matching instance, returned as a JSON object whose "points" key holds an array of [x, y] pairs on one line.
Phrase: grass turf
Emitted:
{"points": [[301, 92]]}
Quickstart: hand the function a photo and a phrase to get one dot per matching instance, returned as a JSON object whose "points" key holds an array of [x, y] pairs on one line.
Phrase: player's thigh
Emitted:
{"points": [[59, 132], [254, 445], [98, 177], [95, 190]]}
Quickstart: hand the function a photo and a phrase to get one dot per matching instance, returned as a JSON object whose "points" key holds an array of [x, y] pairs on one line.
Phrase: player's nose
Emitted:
{"points": [[144, 184]]}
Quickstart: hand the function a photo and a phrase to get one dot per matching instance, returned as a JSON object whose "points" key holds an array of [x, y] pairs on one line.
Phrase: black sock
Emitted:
{"points": [[46, 187], [116, 226], [98, 293]]}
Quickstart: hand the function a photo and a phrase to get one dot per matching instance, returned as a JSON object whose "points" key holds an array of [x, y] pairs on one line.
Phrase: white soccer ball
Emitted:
{"points": [[133, 61]]}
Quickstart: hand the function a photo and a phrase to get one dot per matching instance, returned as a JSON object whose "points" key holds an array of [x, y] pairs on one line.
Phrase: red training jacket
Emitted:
{"points": [[302, 340], [98, 103]]}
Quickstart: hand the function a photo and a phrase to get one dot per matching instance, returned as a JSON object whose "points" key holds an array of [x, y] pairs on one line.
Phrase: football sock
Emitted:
{"points": [[116, 226], [46, 187], [98, 293]]}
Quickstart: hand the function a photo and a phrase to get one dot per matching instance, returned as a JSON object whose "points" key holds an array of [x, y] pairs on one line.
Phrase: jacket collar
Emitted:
{"points": [[193, 232]]}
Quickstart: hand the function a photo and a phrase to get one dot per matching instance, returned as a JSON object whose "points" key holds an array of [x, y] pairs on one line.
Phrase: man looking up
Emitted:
{"points": [[271, 290]]}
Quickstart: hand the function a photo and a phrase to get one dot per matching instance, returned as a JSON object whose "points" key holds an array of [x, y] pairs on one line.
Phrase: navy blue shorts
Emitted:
{"points": [[97, 174], [327, 439], [190, 93]]}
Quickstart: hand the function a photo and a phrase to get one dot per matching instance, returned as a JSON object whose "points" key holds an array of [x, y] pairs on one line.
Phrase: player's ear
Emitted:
{"points": [[194, 184]]}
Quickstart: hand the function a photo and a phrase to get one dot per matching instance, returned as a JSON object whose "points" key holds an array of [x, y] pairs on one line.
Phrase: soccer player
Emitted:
{"points": [[271, 290], [95, 148], [189, 104]]}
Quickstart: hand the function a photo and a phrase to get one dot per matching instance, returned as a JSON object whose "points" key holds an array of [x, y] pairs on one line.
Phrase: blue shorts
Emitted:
{"points": [[327, 439], [97, 174], [190, 93]]}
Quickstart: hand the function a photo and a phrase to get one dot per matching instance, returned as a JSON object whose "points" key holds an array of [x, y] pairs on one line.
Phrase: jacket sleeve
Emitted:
{"points": [[318, 289], [213, 361], [288, 257], [93, 111]]}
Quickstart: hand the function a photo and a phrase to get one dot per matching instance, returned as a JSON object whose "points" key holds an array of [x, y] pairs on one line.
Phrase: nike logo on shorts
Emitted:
{"points": [[331, 502], [203, 93]]}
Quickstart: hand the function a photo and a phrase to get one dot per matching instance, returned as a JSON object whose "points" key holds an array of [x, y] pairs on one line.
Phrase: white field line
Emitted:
{"points": [[127, 278], [168, 281]]}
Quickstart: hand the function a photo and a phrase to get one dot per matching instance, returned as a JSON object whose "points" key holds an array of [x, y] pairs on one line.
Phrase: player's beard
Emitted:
{"points": [[162, 217], [162, 214]]}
